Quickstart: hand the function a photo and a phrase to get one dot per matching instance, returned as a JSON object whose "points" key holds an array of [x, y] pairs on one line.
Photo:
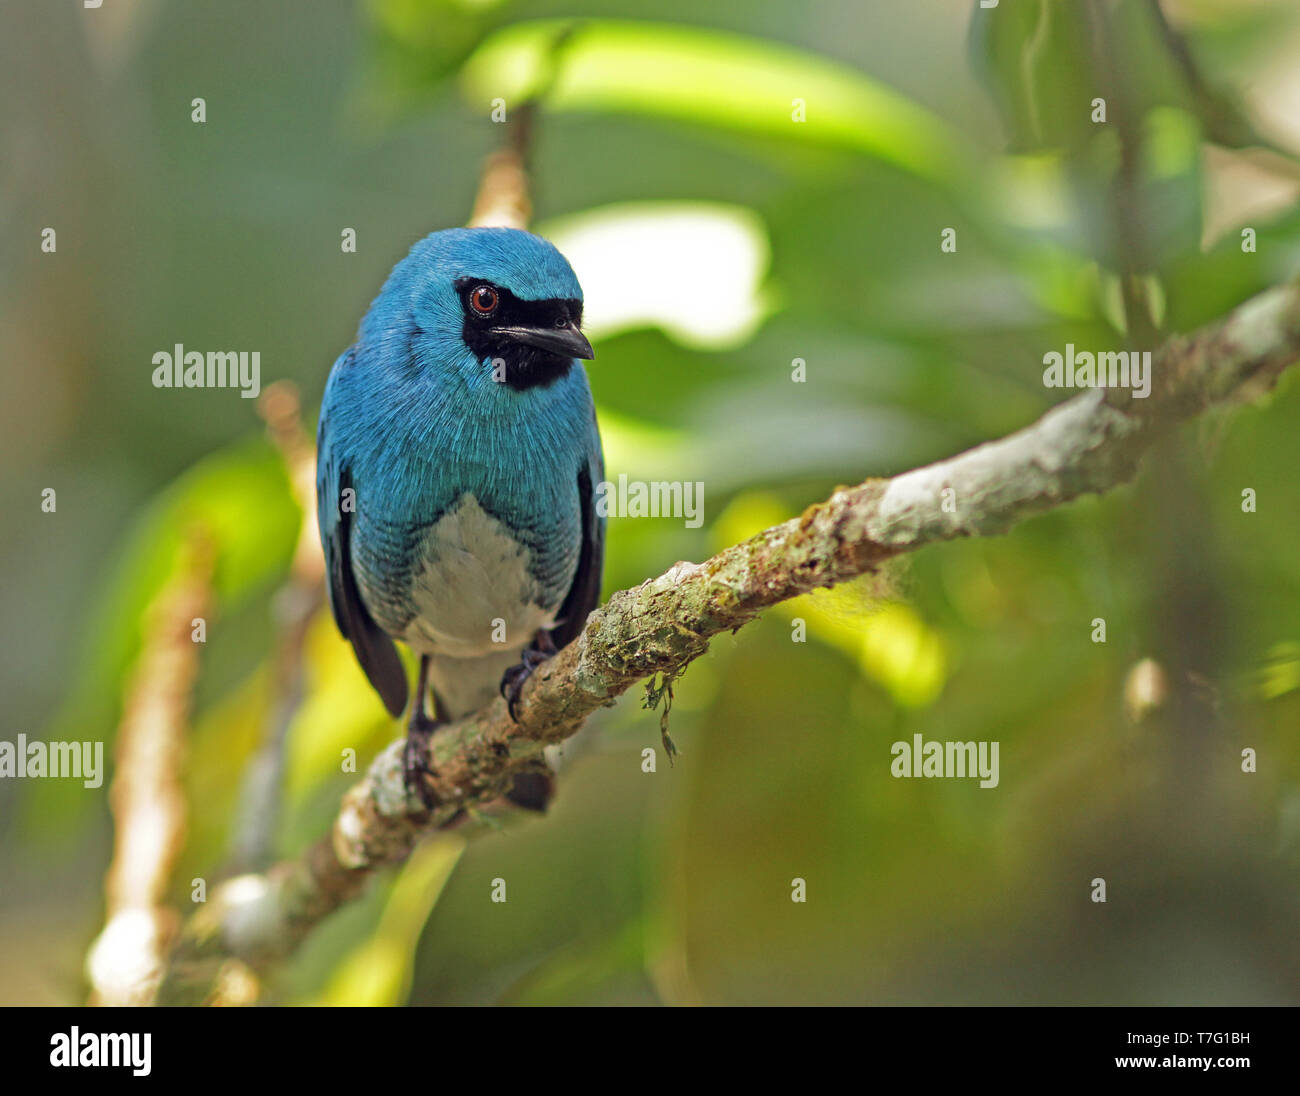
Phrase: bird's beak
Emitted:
{"points": [[559, 340]]}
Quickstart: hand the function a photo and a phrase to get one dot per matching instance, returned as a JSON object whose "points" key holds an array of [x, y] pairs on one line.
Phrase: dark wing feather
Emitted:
{"points": [[374, 649], [584, 594]]}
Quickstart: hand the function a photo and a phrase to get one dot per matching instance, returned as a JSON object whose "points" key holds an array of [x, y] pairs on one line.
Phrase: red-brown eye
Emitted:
{"points": [[483, 300]]}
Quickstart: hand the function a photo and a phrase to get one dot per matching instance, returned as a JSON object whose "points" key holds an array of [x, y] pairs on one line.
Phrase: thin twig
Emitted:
{"points": [[1130, 246], [258, 814], [1225, 122], [504, 195]]}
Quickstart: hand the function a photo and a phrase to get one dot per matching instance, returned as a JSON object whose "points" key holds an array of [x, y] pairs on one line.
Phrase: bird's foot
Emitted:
{"points": [[415, 759], [512, 681]]}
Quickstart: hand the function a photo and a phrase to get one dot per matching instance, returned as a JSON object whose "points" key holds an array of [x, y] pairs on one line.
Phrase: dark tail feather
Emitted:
{"points": [[533, 790]]}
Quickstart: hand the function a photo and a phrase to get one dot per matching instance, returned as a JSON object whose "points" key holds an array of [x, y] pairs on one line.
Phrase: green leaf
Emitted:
{"points": [[378, 972], [415, 46], [1031, 56], [712, 78]]}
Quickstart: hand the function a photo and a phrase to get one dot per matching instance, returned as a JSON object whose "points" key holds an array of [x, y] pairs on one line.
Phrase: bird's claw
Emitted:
{"points": [[415, 760], [512, 681]]}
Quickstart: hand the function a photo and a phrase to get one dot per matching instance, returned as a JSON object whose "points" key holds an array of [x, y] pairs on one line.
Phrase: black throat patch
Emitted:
{"points": [[518, 365]]}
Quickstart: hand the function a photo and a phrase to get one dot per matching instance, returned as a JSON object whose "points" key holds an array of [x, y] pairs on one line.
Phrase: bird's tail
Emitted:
{"points": [[533, 790]]}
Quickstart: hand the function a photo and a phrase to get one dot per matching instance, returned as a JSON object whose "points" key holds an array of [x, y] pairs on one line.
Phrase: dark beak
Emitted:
{"points": [[567, 340]]}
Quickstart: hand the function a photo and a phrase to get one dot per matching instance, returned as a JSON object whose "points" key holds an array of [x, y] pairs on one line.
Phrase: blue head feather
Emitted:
{"points": [[421, 291]]}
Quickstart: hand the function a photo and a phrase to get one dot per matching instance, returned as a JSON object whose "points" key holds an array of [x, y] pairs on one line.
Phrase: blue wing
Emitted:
{"points": [[374, 649]]}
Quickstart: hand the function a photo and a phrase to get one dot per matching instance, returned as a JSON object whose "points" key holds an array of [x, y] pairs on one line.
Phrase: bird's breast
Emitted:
{"points": [[473, 590]]}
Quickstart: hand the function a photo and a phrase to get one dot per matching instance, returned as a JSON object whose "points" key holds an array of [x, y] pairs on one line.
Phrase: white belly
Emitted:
{"points": [[474, 595]]}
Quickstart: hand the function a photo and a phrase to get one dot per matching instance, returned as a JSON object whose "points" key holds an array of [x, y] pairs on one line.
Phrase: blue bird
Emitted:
{"points": [[457, 463]]}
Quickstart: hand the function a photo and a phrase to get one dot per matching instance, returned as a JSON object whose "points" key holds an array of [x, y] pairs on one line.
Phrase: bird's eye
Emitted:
{"points": [[483, 300]]}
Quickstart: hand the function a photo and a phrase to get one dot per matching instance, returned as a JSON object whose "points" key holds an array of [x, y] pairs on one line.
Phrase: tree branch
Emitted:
{"points": [[126, 963], [1089, 444]]}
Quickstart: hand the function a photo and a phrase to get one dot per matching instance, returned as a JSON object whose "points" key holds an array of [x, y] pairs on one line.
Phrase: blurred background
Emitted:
{"points": [[718, 240]]}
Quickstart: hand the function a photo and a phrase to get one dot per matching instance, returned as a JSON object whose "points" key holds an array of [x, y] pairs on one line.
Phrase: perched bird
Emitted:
{"points": [[457, 461]]}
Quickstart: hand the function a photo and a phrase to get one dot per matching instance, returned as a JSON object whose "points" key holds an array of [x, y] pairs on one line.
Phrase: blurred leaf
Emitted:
{"points": [[1032, 56], [1232, 42], [1281, 673], [774, 431], [339, 711], [888, 640], [630, 443], [378, 972], [901, 652], [747, 515], [417, 45], [1172, 184], [730, 242], [719, 79], [1202, 285]]}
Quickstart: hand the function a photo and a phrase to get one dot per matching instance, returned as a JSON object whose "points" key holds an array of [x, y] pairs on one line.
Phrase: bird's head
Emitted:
{"points": [[507, 297]]}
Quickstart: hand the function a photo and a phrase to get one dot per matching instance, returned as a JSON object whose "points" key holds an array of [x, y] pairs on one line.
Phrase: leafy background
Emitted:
{"points": [[718, 241]]}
